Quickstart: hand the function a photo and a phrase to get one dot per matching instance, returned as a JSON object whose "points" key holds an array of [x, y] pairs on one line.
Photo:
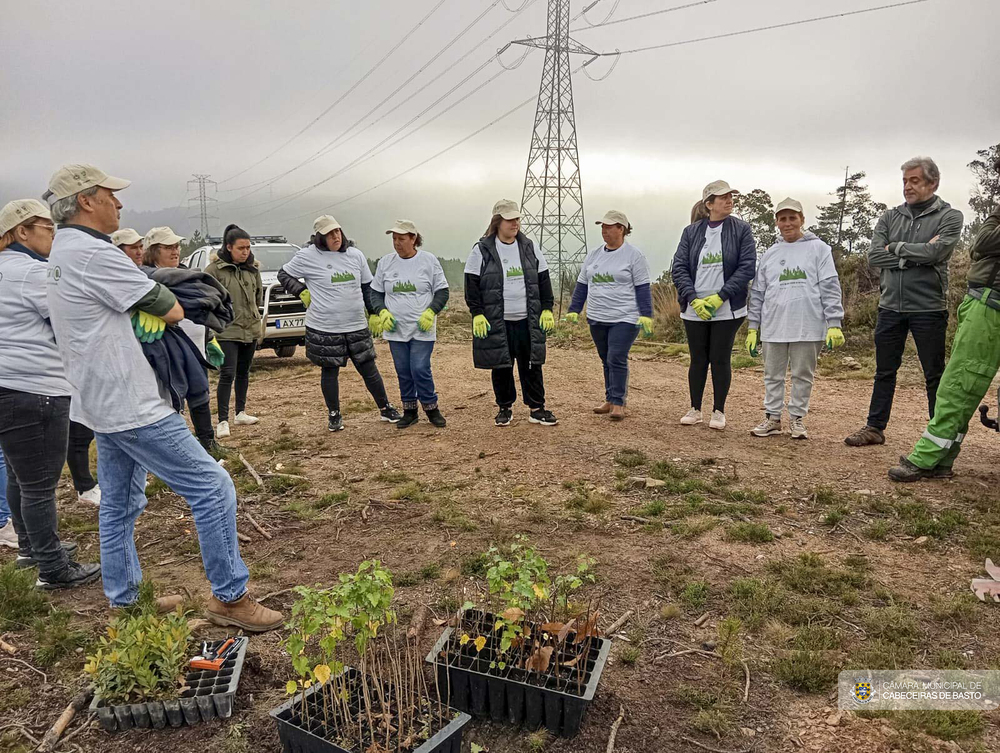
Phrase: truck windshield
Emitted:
{"points": [[273, 258]]}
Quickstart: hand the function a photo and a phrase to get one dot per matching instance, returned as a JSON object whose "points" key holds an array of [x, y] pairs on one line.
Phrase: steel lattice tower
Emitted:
{"points": [[202, 181], [552, 202]]}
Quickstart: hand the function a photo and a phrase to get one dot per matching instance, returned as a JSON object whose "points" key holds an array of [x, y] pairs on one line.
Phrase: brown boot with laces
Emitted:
{"points": [[603, 409], [246, 612], [867, 436]]}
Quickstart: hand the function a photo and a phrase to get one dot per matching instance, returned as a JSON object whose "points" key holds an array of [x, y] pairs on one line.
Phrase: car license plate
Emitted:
{"points": [[287, 323]]}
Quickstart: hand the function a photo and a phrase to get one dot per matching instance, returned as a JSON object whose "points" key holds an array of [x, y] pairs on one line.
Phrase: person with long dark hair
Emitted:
{"points": [[237, 270], [333, 279]]}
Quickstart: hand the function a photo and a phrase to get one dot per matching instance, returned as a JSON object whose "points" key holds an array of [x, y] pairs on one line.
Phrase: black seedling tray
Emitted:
{"points": [[297, 739], [475, 690], [209, 696]]}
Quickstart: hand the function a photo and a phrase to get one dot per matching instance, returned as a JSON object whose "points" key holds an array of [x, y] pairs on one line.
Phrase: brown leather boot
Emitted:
{"points": [[603, 409], [868, 435], [246, 613], [617, 412]]}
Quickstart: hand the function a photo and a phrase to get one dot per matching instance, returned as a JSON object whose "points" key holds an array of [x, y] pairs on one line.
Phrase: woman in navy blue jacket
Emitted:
{"points": [[714, 264]]}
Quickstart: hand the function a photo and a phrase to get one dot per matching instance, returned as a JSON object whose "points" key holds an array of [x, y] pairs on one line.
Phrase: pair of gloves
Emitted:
{"points": [[386, 322], [481, 326], [834, 339], [643, 322], [706, 307], [149, 328]]}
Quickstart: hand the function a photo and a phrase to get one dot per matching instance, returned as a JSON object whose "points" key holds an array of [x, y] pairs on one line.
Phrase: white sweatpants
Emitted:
{"points": [[801, 358]]}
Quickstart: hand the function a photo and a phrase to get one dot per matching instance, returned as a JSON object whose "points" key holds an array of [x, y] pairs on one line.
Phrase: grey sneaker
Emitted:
{"points": [[767, 428], [691, 418], [72, 576], [799, 428], [8, 537]]}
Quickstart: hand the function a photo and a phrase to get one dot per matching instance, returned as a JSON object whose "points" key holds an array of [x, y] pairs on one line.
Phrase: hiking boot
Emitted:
{"points": [[718, 421], [90, 497], [410, 417], [246, 612], [390, 414], [543, 417], [216, 450], [603, 409], [435, 417], [691, 418], [245, 419], [222, 430], [866, 436], [336, 421], [617, 412], [26, 560], [943, 472], [906, 472], [799, 428], [504, 417], [164, 605], [8, 537], [767, 428], [71, 576]]}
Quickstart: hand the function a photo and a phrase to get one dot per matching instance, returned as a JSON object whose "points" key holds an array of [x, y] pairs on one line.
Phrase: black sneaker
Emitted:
{"points": [[543, 417], [390, 414], [72, 576], [336, 422], [504, 417], [216, 450], [26, 560], [410, 417], [435, 417]]}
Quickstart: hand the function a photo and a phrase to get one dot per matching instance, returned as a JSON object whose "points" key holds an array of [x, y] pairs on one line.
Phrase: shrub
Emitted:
{"points": [[805, 670], [20, 601], [749, 533]]}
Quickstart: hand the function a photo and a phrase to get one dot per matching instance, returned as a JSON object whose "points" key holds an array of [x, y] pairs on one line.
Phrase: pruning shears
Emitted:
{"points": [[212, 661]]}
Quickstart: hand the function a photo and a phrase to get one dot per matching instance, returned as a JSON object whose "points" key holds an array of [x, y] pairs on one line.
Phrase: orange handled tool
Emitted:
{"points": [[214, 663]]}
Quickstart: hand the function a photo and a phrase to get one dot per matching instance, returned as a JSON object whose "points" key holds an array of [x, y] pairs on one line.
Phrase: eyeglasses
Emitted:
{"points": [[44, 226]]}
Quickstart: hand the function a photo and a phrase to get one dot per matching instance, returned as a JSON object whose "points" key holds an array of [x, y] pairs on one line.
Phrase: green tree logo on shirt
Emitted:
{"points": [[404, 287], [792, 274], [342, 277], [599, 278], [515, 272], [710, 259]]}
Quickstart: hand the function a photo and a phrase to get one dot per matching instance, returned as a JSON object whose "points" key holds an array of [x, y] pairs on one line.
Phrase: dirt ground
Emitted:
{"points": [[566, 488]]}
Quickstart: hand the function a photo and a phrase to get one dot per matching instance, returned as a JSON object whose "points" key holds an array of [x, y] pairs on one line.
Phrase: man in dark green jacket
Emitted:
{"points": [[975, 360], [911, 246]]}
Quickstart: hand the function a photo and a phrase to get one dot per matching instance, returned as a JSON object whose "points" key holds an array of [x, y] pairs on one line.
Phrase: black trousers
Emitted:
{"points": [[329, 382], [532, 385], [711, 344], [929, 331], [34, 434], [78, 457], [236, 367]]}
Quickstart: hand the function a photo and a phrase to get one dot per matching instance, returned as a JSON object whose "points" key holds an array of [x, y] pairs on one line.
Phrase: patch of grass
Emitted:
{"points": [[816, 638], [834, 516], [895, 624], [961, 610], [880, 654], [538, 740], [825, 496], [877, 531], [411, 491], [629, 655], [692, 529], [629, 458], [653, 509], [78, 524], [475, 565], [695, 594], [749, 533], [286, 442], [664, 471], [20, 601], [983, 543], [670, 571], [261, 570], [808, 574], [430, 571], [753, 496], [949, 659], [919, 521], [714, 721], [695, 696], [282, 484], [755, 600], [744, 361], [300, 510], [450, 515], [392, 477], [56, 637], [944, 725], [358, 405], [808, 671], [589, 500], [156, 486], [13, 699], [329, 500], [670, 612]]}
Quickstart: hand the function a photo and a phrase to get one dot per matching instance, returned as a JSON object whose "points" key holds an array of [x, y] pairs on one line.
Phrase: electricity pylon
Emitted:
{"points": [[202, 180]]}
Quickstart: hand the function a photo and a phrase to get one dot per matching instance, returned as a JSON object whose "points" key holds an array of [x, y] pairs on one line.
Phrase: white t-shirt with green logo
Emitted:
{"points": [[334, 279], [409, 286], [611, 278], [515, 297], [710, 277]]}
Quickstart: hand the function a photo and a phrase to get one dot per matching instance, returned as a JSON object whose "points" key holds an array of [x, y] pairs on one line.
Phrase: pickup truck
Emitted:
{"points": [[283, 317]]}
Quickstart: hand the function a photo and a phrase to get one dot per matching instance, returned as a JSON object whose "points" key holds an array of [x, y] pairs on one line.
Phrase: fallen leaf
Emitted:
{"points": [[589, 629], [513, 614], [539, 661], [553, 628], [565, 630]]}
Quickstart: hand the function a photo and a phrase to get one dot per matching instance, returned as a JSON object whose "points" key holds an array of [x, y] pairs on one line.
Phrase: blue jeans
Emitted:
{"points": [[4, 510], [168, 450], [413, 369], [613, 343]]}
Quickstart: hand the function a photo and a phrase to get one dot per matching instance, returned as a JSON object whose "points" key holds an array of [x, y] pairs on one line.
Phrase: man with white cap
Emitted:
{"points": [[130, 242], [92, 291]]}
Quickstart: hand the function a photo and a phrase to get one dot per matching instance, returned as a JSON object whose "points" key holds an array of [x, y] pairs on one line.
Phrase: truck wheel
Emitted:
{"points": [[284, 351]]}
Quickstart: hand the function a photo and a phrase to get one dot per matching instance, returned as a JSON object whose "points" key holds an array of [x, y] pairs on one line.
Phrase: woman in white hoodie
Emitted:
{"points": [[795, 307]]}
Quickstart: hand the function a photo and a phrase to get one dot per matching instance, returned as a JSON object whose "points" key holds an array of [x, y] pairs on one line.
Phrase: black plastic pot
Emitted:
{"points": [[516, 699], [297, 739], [209, 696]]}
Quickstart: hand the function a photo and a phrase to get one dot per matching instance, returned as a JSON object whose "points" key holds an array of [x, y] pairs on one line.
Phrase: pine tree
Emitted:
{"points": [[986, 195], [847, 223], [757, 209]]}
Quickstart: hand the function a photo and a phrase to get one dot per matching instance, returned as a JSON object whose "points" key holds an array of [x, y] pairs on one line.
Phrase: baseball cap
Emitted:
{"points": [[614, 217], [163, 236], [125, 237], [402, 227], [718, 188], [16, 212], [788, 203], [70, 180], [324, 224], [508, 209]]}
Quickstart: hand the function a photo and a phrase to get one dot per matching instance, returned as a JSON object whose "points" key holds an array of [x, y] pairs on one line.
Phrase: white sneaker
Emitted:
{"points": [[7, 536], [245, 419], [691, 418], [718, 420], [768, 427], [799, 429], [222, 430], [92, 497]]}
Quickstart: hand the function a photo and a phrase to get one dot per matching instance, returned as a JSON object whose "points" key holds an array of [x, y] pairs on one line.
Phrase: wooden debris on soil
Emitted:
{"points": [[7, 647], [51, 737], [702, 620], [257, 525], [418, 623], [253, 471], [617, 624], [614, 730]]}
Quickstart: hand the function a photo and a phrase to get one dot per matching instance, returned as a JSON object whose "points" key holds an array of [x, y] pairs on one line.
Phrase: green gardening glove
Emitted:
{"points": [[426, 320], [374, 325], [572, 317], [480, 327], [546, 321], [834, 338], [148, 328], [214, 353], [387, 320], [306, 297], [753, 343], [646, 324], [701, 309], [714, 303]]}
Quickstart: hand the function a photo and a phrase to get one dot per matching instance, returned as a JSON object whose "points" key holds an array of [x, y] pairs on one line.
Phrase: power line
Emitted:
{"points": [[642, 15]]}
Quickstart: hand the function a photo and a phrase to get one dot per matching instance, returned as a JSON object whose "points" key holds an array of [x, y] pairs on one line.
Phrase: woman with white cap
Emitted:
{"points": [[408, 292], [34, 397], [614, 283], [130, 242], [795, 306], [333, 279], [712, 270]]}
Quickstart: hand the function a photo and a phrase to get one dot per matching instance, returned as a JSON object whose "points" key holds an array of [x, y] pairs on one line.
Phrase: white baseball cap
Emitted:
{"points": [[403, 227], [324, 224], [614, 217], [788, 203], [163, 236], [508, 209], [125, 237], [718, 188], [16, 212], [70, 180]]}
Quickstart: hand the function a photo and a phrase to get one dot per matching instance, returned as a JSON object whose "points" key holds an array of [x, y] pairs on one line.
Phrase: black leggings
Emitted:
{"points": [[78, 457], [711, 343], [329, 382], [201, 419], [236, 367]]}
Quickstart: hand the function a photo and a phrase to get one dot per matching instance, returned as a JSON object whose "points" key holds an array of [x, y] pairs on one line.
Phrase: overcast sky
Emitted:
{"points": [[156, 91]]}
